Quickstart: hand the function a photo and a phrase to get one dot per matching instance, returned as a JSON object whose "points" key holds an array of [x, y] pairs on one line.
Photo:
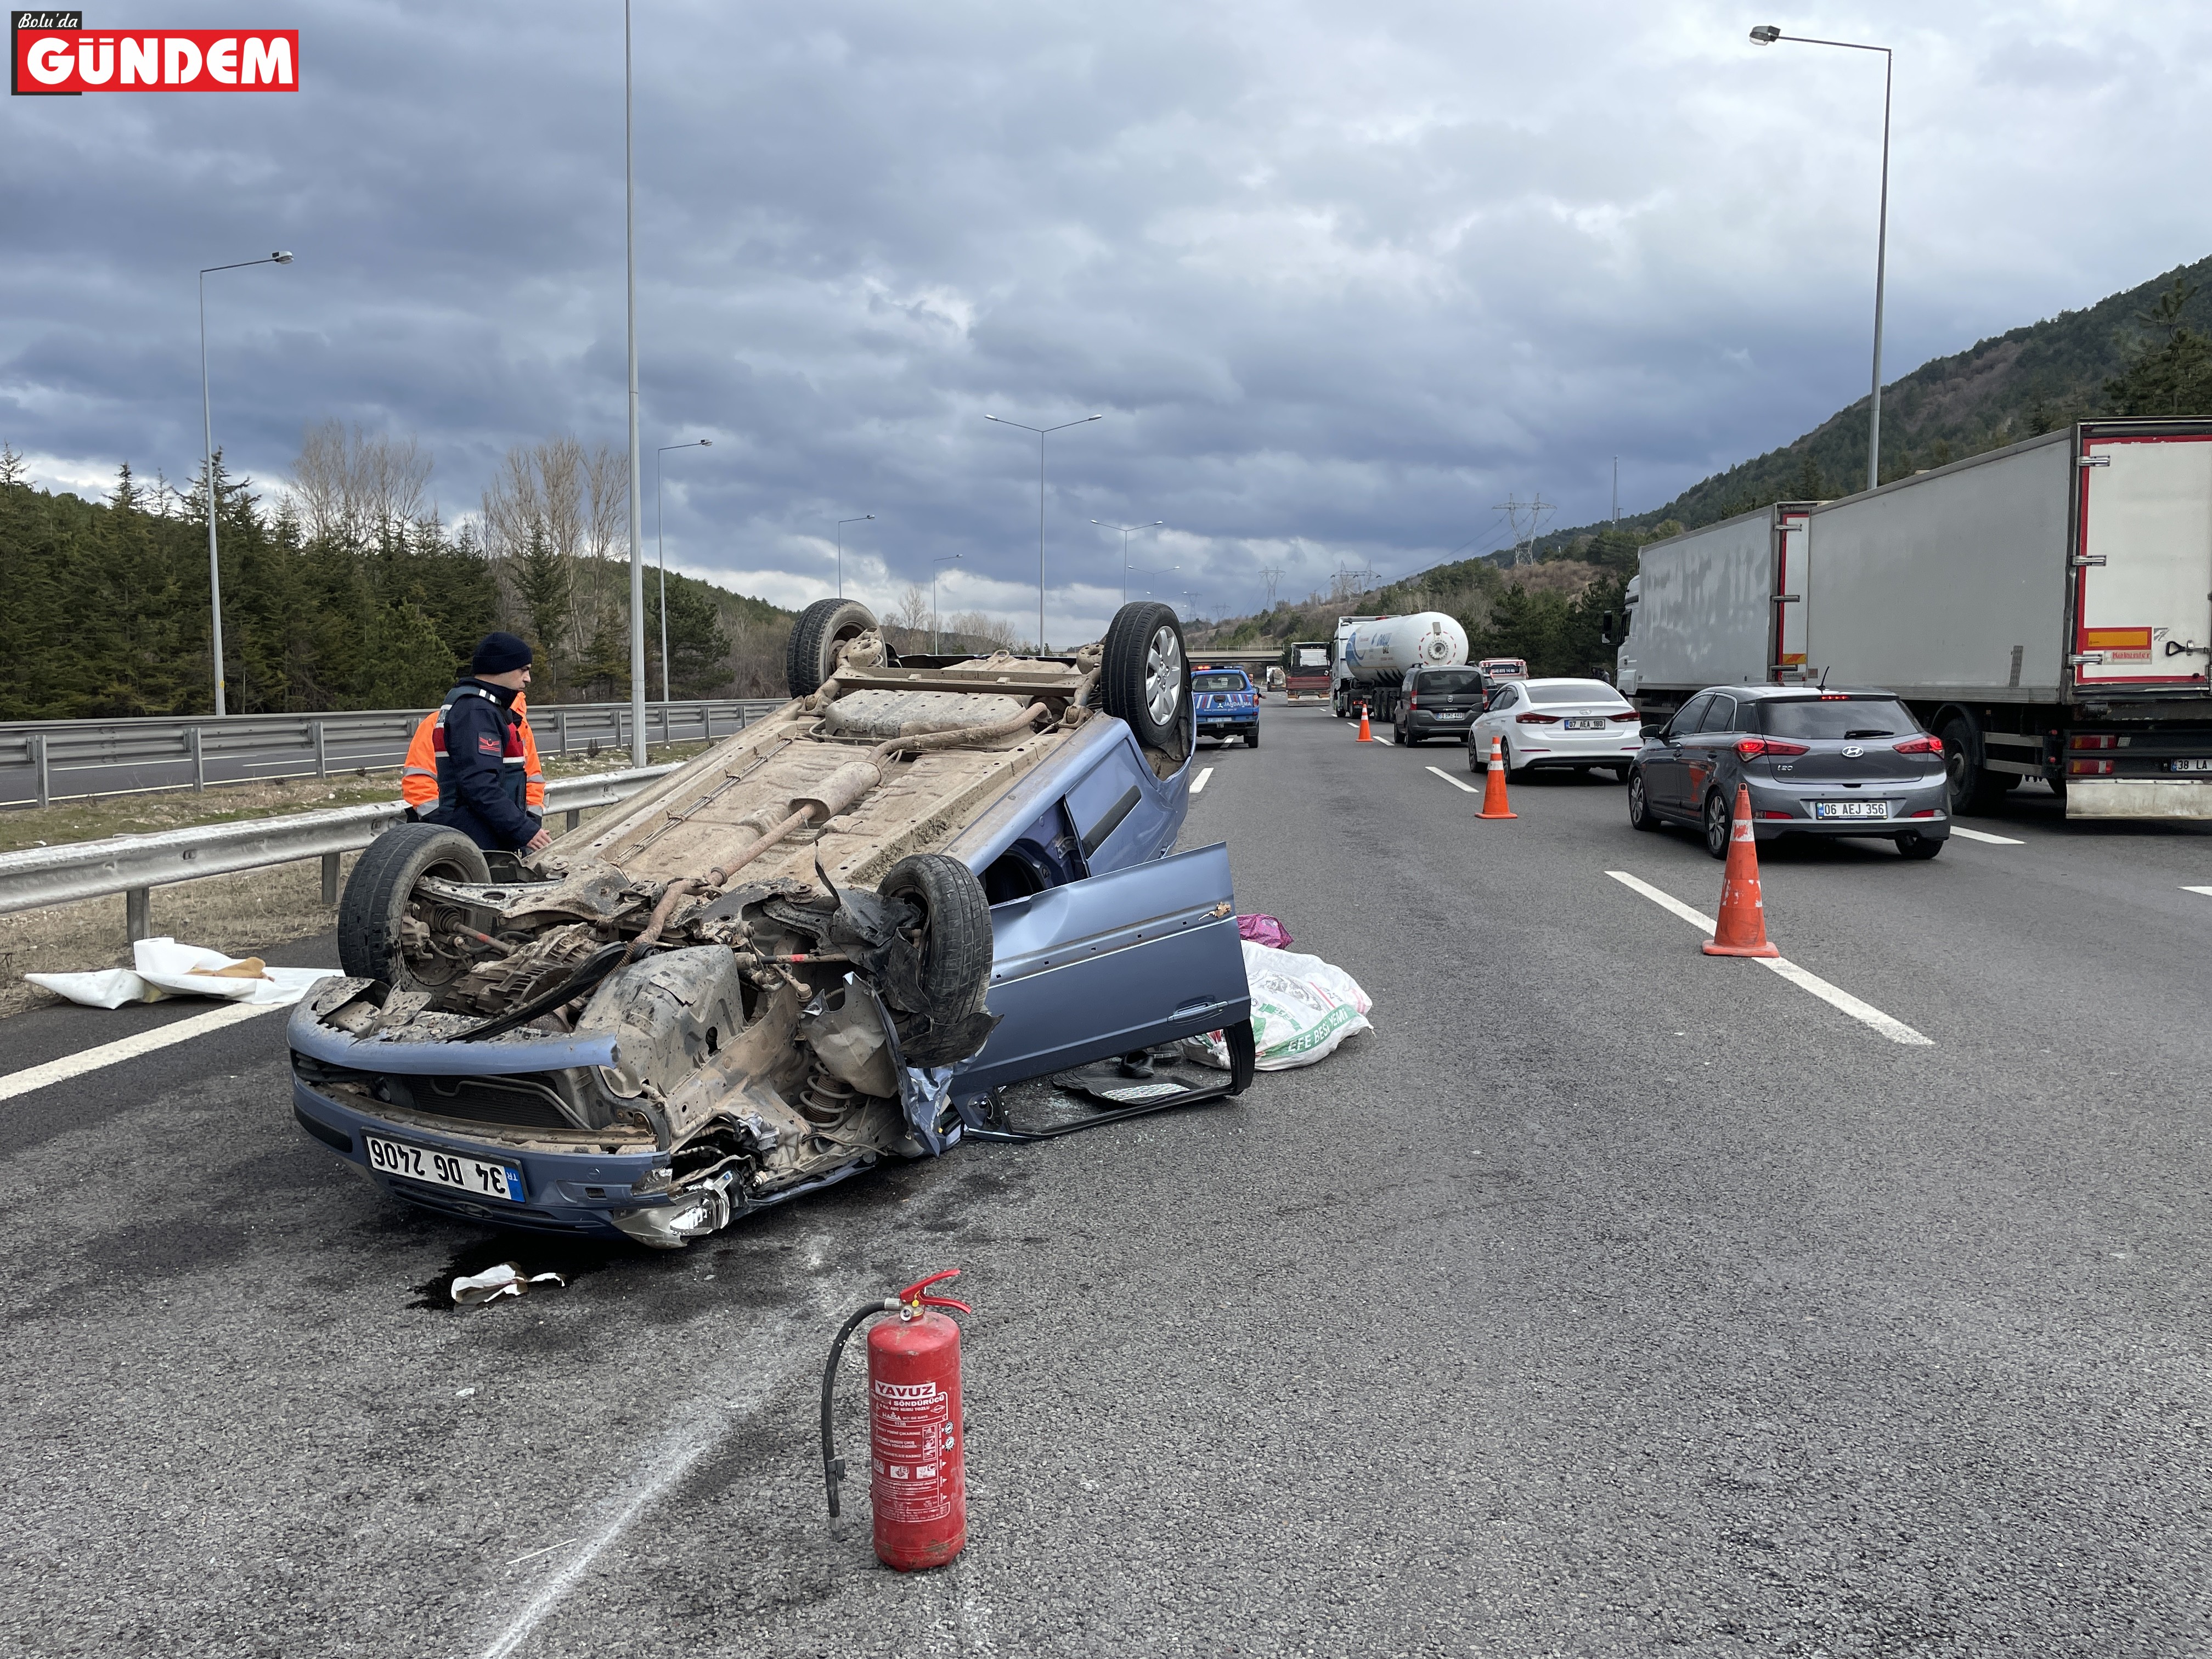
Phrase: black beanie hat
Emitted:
{"points": [[496, 653]]}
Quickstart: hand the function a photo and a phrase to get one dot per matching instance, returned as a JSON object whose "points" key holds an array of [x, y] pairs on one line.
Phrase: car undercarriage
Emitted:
{"points": [[759, 976]]}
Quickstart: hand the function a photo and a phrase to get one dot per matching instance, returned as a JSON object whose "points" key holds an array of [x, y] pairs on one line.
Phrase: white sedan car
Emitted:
{"points": [[1579, 724]]}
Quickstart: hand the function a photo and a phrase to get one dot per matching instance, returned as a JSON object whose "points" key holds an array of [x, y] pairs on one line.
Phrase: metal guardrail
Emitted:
{"points": [[135, 865], [45, 760]]}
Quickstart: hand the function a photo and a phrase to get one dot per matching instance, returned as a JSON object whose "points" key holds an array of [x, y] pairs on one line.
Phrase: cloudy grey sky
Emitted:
{"points": [[1338, 275]]}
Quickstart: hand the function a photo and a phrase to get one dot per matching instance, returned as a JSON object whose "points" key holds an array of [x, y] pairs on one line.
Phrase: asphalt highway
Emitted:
{"points": [[1608, 1298]]}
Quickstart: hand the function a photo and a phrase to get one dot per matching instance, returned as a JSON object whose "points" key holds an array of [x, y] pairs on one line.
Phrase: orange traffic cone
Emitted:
{"points": [[1494, 786], [1742, 931], [1365, 736]]}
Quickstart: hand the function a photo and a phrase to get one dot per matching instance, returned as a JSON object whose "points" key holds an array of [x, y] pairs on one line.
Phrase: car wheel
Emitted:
{"points": [[375, 938], [1252, 738], [1640, 814], [823, 625], [953, 940], [1514, 774], [1720, 825], [1913, 845], [1144, 677]]}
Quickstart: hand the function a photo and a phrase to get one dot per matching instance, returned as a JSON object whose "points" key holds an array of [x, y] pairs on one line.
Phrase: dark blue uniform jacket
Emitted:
{"points": [[482, 782]]}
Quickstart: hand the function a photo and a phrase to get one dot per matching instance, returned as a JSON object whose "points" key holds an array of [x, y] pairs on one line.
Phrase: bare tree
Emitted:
{"points": [[981, 625], [912, 610], [573, 500], [353, 485]]}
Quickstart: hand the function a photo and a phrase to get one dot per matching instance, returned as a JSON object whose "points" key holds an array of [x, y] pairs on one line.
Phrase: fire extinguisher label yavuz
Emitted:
{"points": [[911, 1431]]}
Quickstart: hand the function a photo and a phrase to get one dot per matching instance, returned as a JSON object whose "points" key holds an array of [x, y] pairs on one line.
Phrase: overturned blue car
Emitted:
{"points": [[825, 942]]}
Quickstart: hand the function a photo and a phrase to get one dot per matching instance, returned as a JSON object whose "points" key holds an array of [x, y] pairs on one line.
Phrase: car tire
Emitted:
{"points": [[373, 910], [1640, 816], [1973, 788], [1914, 846], [823, 625], [955, 947], [1252, 738], [1718, 813], [1145, 676], [1513, 774]]}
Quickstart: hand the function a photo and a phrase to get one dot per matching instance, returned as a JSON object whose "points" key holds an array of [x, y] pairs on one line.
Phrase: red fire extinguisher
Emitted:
{"points": [[917, 1475]]}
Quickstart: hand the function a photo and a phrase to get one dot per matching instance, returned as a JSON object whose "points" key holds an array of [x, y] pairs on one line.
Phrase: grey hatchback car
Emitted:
{"points": [[1849, 762]]}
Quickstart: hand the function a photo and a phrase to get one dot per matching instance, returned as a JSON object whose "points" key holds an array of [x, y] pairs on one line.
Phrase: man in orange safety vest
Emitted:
{"points": [[418, 778]]}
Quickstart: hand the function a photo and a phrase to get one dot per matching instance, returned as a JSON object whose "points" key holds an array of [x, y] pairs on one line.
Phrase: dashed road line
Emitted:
{"points": [[2206, 891], [130, 1047], [1983, 834], [1454, 781], [1835, 996], [1198, 783]]}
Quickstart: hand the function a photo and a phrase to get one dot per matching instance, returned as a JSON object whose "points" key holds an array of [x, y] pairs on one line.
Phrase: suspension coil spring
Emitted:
{"points": [[825, 1101]]}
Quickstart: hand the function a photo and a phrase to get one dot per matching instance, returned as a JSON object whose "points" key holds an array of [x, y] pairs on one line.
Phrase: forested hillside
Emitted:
{"points": [[2146, 352], [326, 606]]}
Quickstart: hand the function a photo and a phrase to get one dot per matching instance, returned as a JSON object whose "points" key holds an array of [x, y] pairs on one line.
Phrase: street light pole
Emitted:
{"points": [[842, 523], [660, 550], [1765, 35], [936, 629], [1042, 431], [639, 749], [1126, 529], [207, 428]]}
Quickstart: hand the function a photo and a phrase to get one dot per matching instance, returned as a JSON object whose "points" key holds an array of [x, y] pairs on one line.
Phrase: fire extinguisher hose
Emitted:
{"points": [[833, 1467]]}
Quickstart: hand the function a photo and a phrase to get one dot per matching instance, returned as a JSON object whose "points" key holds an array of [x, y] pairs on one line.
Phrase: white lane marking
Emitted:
{"points": [[2206, 891], [680, 1450], [1198, 783], [1834, 995], [130, 1047], [1454, 781], [1983, 834], [534, 1554]]}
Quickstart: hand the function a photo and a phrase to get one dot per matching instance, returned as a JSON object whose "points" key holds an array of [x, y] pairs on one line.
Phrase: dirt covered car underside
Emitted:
{"points": [[761, 974]]}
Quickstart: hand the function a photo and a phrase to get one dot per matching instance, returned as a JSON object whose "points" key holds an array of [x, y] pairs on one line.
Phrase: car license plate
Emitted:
{"points": [[1851, 809], [467, 1174], [1574, 724], [1451, 717], [2193, 764]]}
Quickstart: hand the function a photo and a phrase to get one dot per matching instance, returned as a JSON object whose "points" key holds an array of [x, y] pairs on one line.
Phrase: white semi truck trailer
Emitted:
{"points": [[1369, 657], [2045, 609]]}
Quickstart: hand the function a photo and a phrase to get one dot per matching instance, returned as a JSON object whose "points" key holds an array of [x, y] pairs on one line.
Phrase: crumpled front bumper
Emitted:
{"points": [[594, 1190]]}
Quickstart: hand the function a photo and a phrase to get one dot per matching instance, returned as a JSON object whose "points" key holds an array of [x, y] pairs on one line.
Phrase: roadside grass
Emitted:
{"points": [[94, 817], [240, 916]]}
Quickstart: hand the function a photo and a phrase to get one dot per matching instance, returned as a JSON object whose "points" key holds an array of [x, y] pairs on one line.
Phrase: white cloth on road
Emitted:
{"points": [[1302, 1008], [163, 969]]}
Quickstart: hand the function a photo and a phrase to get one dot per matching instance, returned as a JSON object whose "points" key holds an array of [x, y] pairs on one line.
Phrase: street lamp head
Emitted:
{"points": [[706, 443], [1766, 34], [282, 258]]}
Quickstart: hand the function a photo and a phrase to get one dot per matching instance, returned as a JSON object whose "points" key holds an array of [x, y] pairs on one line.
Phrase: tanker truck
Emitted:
{"points": [[1369, 659]]}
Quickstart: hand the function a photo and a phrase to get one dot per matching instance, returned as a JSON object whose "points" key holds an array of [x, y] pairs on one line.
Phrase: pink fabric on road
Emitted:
{"points": [[1264, 930]]}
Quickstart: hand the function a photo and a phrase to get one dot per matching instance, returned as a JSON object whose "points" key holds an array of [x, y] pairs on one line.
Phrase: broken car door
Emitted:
{"points": [[1103, 966]]}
